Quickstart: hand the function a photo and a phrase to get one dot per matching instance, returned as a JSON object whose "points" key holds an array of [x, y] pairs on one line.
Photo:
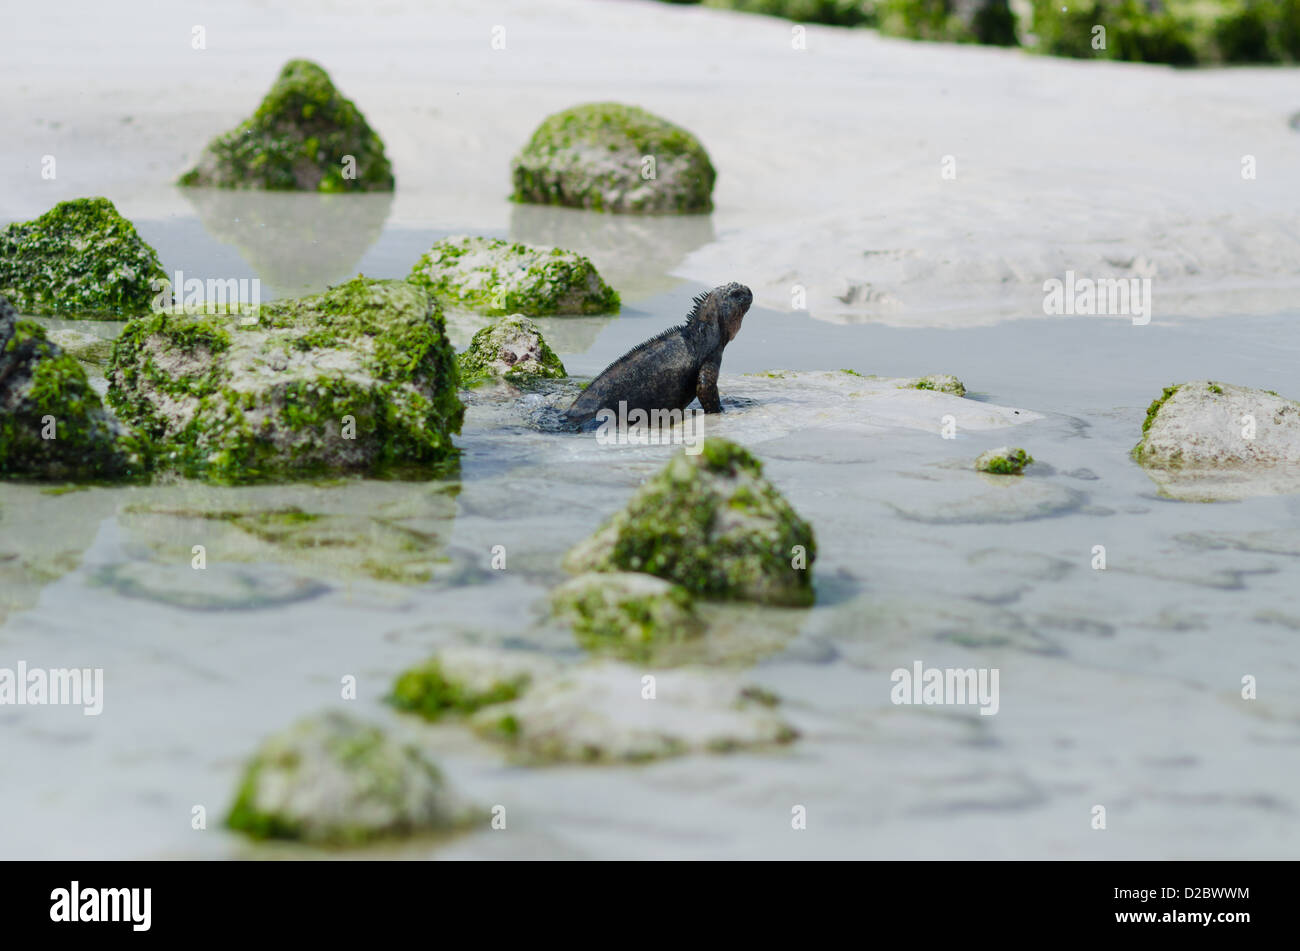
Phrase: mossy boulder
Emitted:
{"points": [[626, 613], [610, 157], [511, 349], [1003, 461], [52, 423], [334, 780], [79, 259], [714, 525], [939, 382], [600, 713], [497, 277], [360, 378], [305, 136], [461, 680]]}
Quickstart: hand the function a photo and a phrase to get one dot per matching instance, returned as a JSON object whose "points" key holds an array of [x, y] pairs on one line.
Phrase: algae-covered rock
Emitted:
{"points": [[1003, 461], [602, 713], [627, 613], [497, 277], [359, 378], [610, 157], [305, 136], [713, 524], [461, 680], [334, 780], [511, 349], [939, 382], [52, 423], [1209, 440], [79, 259]]}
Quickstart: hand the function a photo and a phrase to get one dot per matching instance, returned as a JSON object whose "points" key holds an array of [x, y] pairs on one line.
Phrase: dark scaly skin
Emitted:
{"points": [[674, 367]]}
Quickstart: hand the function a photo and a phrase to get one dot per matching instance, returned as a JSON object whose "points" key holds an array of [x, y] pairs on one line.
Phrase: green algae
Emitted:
{"points": [[81, 259], [305, 136], [1004, 461], [432, 693]]}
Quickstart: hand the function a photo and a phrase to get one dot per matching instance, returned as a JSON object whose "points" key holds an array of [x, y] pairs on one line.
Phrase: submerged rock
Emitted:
{"points": [[79, 259], [496, 277], [87, 348], [461, 680], [305, 136], [511, 349], [334, 780], [711, 523], [610, 157], [602, 713], [628, 613], [939, 382], [359, 378], [1208, 440], [52, 423], [1004, 461]]}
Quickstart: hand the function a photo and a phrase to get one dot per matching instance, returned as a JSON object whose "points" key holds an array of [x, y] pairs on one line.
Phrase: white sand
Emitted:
{"points": [[829, 158]]}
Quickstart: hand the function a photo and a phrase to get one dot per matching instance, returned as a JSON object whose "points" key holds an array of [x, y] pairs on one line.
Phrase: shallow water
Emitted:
{"points": [[1119, 687]]}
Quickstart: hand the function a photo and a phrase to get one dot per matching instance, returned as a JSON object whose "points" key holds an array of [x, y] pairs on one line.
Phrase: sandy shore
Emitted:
{"points": [[831, 158]]}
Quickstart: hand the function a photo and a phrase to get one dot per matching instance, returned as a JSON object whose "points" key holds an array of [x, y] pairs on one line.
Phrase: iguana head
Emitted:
{"points": [[724, 307]]}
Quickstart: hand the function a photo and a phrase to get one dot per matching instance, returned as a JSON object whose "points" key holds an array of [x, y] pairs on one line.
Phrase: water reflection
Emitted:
{"points": [[295, 243], [634, 253]]}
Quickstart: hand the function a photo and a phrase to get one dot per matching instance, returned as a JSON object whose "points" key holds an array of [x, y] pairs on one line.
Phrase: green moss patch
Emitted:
{"points": [[511, 349], [305, 136], [1004, 461], [611, 157], [79, 259]]}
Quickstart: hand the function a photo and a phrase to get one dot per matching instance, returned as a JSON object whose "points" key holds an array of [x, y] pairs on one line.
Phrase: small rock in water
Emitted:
{"points": [[511, 349], [216, 588], [497, 277], [1004, 461], [1212, 441], [714, 525], [609, 712], [461, 680], [627, 613], [334, 780]]}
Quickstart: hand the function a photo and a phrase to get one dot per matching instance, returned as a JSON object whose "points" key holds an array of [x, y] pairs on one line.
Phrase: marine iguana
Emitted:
{"points": [[672, 368]]}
